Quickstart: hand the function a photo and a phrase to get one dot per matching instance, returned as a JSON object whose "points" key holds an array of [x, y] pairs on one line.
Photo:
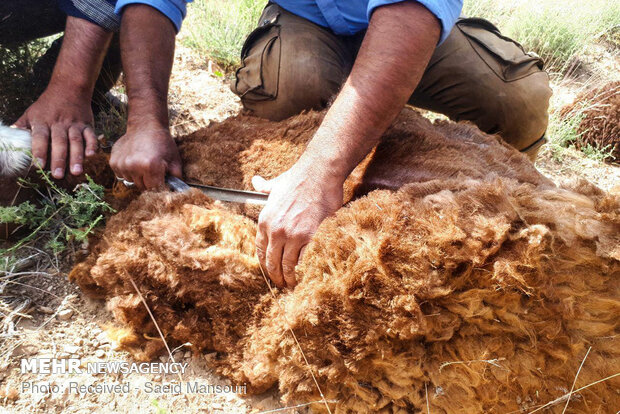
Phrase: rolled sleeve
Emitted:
{"points": [[99, 12], [175, 10], [446, 11]]}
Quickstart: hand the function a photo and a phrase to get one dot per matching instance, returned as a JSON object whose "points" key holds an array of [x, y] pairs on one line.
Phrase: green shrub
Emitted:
{"points": [[16, 82], [218, 28], [61, 218], [557, 30]]}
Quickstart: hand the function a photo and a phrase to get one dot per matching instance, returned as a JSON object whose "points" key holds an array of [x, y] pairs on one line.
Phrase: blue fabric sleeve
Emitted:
{"points": [[447, 11], [99, 12], [175, 10]]}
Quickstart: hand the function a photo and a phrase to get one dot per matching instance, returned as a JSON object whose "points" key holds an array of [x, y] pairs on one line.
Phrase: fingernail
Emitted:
{"points": [[90, 153], [58, 173], [77, 169]]}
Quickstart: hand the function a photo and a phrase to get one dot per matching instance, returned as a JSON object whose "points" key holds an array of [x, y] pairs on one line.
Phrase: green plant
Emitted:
{"points": [[61, 218], [158, 408], [563, 132], [16, 72], [597, 154], [558, 30], [218, 29]]}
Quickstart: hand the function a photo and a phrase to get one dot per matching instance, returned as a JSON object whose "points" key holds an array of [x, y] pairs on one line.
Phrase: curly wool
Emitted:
{"points": [[600, 125], [458, 277]]}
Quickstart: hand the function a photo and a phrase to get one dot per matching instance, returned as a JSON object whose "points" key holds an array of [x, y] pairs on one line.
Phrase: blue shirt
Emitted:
{"points": [[347, 17], [174, 9], [343, 17]]}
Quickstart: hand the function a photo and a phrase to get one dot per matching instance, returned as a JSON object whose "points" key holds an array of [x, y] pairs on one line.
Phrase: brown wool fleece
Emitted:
{"points": [[458, 271], [600, 126]]}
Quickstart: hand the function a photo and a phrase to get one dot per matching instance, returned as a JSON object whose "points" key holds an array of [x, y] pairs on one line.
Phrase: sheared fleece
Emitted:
{"points": [[457, 276]]}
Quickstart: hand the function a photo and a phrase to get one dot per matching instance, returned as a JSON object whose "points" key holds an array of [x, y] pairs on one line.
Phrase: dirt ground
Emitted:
{"points": [[61, 323]]}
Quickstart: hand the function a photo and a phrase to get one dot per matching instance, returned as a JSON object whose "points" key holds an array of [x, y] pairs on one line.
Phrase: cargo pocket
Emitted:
{"points": [[257, 78], [504, 56]]}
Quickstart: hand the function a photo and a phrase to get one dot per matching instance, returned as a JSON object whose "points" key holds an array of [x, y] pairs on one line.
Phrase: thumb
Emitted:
{"points": [[261, 185], [174, 168]]}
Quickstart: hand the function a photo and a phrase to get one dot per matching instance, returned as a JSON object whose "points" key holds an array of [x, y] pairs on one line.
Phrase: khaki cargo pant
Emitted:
{"points": [[290, 64]]}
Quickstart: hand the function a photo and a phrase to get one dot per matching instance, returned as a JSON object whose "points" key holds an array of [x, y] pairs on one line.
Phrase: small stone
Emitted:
{"points": [[10, 393], [102, 338], [65, 314], [72, 349], [267, 403], [100, 353], [188, 354], [217, 406], [70, 297], [46, 310], [79, 341], [25, 350], [157, 378], [63, 355]]}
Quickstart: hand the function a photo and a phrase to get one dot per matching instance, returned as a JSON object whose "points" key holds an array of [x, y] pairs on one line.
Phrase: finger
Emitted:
{"points": [[154, 177], [261, 185], [59, 151], [40, 142], [290, 256], [301, 253], [91, 141], [137, 179], [176, 169], [117, 165], [261, 247], [22, 122], [76, 150], [273, 260]]}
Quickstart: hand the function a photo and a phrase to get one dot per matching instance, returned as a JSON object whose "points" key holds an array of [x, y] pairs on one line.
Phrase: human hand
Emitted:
{"points": [[299, 200], [144, 155], [62, 119]]}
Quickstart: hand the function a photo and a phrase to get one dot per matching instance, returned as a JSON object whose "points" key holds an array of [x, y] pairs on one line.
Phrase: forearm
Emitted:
{"points": [[398, 45], [81, 56], [147, 48]]}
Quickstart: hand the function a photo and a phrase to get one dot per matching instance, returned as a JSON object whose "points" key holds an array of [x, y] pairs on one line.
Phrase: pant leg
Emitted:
{"points": [[290, 64], [25, 20], [480, 76]]}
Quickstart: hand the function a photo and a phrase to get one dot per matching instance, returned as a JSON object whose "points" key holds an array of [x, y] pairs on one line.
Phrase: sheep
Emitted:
{"points": [[15, 145], [456, 278]]}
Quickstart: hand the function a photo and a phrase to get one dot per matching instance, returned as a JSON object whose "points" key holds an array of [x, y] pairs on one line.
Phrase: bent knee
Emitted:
{"points": [[525, 113], [302, 81], [289, 65], [517, 111]]}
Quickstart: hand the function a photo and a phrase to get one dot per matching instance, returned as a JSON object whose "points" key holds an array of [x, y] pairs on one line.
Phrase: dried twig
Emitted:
{"points": [[292, 407], [296, 341], [488, 361], [560, 399], [575, 380]]}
